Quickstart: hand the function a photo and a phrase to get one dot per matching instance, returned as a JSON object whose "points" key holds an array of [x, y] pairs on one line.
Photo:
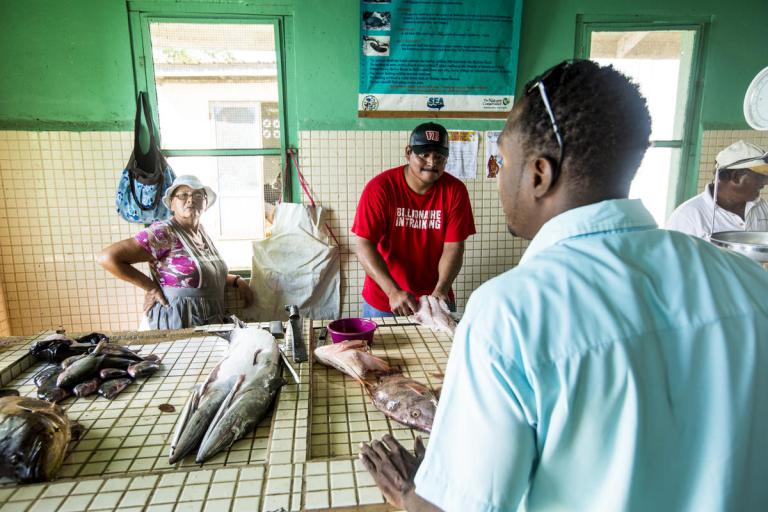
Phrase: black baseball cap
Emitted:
{"points": [[429, 137]]}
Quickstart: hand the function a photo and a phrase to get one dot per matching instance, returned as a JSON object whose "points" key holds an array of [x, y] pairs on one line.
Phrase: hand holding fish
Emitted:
{"points": [[402, 303], [393, 468], [434, 313]]}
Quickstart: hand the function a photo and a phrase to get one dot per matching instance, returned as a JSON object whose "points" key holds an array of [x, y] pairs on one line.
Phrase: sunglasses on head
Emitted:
{"points": [[553, 76]]}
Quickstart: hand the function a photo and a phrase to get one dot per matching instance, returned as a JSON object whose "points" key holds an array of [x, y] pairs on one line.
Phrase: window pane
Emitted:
{"points": [[247, 189], [216, 85], [656, 181], [660, 63]]}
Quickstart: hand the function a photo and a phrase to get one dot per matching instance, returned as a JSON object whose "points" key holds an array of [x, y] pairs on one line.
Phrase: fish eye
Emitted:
{"points": [[416, 413]]}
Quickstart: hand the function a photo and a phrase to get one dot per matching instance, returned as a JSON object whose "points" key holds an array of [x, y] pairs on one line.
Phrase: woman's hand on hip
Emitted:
{"points": [[152, 296]]}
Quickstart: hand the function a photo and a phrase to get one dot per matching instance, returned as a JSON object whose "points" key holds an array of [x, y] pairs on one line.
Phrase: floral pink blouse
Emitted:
{"points": [[172, 263]]}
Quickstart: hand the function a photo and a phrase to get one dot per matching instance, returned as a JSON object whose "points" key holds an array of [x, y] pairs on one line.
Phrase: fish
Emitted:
{"points": [[34, 438], [47, 387], [434, 313], [56, 347], [112, 373], [152, 357], [114, 350], [68, 361], [143, 368], [352, 358], [109, 389], [404, 400], [82, 369], [233, 399], [87, 387], [9, 392]]}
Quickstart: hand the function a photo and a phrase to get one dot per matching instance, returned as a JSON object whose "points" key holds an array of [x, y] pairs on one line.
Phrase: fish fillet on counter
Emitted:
{"points": [[233, 399], [352, 358]]}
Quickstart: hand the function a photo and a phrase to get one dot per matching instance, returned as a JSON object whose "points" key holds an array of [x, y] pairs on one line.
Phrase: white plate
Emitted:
{"points": [[756, 102]]}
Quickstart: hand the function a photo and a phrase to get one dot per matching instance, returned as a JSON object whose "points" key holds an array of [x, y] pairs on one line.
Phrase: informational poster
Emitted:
{"points": [[432, 58], [492, 155], [462, 160]]}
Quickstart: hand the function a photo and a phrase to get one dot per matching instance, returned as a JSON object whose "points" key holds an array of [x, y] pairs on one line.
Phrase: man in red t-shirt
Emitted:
{"points": [[411, 223]]}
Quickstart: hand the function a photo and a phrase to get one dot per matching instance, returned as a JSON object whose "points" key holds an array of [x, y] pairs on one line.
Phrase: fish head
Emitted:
{"points": [[35, 438]]}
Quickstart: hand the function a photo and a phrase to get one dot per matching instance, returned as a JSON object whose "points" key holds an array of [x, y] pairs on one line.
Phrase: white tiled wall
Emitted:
{"points": [[57, 212]]}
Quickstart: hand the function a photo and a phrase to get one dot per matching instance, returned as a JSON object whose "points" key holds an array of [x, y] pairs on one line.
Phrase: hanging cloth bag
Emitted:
{"points": [[299, 264], [145, 177]]}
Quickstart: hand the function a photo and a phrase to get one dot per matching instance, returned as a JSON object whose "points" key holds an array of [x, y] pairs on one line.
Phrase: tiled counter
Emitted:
{"points": [[302, 457]]}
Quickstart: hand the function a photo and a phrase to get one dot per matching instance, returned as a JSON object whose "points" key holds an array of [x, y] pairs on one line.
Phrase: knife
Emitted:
{"points": [[288, 364], [299, 349]]}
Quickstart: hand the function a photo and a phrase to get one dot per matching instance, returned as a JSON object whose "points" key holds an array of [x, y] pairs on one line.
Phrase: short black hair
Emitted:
{"points": [[602, 118]]}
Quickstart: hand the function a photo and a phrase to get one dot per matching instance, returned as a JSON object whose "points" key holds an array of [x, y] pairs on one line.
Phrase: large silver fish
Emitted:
{"points": [[233, 399], [34, 437]]}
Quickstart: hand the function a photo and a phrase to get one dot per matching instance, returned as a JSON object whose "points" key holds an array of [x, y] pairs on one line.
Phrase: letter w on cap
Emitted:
{"points": [[433, 135]]}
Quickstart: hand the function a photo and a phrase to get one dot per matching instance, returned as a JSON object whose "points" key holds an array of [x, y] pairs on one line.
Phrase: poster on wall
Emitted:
{"points": [[438, 59], [462, 156], [492, 155]]}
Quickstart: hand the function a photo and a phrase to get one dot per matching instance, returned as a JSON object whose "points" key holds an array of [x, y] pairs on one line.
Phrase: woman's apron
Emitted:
{"points": [[189, 307]]}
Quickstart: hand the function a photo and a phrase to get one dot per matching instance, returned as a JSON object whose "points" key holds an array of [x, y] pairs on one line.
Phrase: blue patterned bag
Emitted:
{"points": [[145, 177]]}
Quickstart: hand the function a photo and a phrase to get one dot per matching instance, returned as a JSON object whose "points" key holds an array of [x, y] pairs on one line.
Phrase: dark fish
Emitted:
{"points": [[115, 362], [112, 373], [68, 361], [152, 357], [113, 350], [92, 339], [45, 373], [87, 388], [82, 369], [34, 436], [404, 400], [47, 389], [111, 388], [55, 348], [143, 369], [8, 392]]}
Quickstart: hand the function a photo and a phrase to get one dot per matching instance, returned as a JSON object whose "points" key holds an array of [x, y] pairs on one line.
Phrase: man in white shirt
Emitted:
{"points": [[742, 171]]}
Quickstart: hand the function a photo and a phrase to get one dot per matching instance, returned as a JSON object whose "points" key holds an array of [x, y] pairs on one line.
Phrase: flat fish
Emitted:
{"points": [[404, 400], [34, 437], [233, 399], [352, 358]]}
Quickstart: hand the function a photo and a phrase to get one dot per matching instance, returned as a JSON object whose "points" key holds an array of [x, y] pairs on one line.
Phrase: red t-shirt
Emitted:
{"points": [[410, 229]]}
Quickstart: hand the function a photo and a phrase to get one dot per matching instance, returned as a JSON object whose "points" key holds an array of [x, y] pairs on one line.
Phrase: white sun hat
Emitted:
{"points": [[743, 155], [192, 182]]}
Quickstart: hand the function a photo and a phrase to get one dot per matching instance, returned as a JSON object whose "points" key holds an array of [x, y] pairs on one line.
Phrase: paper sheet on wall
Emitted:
{"points": [[462, 161], [492, 155]]}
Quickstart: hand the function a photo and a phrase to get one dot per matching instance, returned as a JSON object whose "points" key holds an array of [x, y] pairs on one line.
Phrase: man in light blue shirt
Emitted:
{"points": [[618, 366]]}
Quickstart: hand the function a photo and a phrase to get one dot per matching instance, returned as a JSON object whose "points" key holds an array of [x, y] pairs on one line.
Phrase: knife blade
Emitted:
{"points": [[299, 348]]}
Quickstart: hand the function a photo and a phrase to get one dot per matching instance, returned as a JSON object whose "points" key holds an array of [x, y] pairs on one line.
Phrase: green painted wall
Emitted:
{"points": [[67, 64]]}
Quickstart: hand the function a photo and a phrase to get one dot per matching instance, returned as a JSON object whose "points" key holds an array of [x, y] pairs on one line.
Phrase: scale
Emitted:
{"points": [[752, 244]]}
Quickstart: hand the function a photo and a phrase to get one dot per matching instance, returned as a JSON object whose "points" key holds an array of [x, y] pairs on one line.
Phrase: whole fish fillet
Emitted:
{"points": [[352, 358], [34, 436], [233, 399]]}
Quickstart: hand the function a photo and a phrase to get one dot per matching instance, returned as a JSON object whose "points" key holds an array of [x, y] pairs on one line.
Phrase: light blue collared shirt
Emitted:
{"points": [[618, 367]]}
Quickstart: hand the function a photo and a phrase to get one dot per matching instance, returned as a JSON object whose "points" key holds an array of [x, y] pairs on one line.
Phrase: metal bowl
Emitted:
{"points": [[752, 244]]}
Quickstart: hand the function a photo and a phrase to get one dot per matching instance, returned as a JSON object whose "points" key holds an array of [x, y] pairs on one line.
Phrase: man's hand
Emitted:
{"points": [[152, 296], [441, 295], [244, 291], [392, 467], [403, 303]]}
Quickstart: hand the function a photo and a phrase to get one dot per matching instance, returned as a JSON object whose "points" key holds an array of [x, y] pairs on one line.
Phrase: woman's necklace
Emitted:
{"points": [[197, 239]]}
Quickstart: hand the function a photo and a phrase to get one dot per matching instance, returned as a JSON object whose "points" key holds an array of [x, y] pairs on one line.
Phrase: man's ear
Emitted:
{"points": [[542, 174], [408, 151]]}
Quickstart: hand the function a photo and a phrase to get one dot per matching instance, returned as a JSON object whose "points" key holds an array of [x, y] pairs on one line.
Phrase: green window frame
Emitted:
{"points": [[689, 143]]}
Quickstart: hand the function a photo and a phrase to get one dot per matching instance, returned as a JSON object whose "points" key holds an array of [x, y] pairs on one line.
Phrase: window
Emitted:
{"points": [[216, 86], [662, 58]]}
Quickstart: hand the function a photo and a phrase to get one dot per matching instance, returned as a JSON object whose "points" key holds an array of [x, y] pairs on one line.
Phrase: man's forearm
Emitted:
{"points": [[449, 266], [374, 265], [415, 503]]}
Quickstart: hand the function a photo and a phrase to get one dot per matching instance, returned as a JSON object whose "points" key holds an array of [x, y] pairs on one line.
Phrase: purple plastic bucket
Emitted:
{"points": [[352, 329]]}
